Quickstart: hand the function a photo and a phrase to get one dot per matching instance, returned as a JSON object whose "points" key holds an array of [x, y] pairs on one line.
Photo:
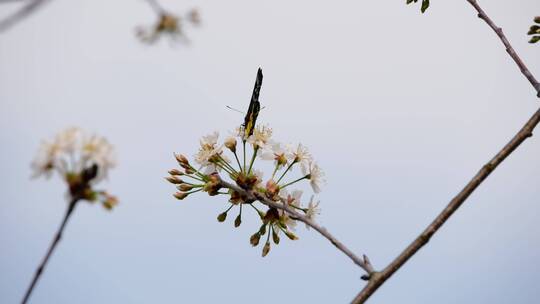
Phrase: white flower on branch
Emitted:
{"points": [[313, 172]]}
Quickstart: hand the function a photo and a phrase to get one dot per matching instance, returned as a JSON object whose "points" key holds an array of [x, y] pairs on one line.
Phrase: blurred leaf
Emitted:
{"points": [[425, 4], [535, 29], [534, 39]]}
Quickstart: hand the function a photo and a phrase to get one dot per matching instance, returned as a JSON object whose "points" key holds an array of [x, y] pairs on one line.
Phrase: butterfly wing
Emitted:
{"points": [[254, 107]]}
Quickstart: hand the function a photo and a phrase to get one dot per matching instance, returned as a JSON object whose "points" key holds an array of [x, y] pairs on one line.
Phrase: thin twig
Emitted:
{"points": [[19, 15], [255, 196], [524, 70], [378, 278], [54, 242]]}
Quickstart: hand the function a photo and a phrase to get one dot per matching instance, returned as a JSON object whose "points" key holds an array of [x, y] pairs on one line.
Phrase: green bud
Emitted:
{"points": [[238, 221], [291, 235], [534, 39], [254, 239], [266, 249], [221, 217], [275, 237], [537, 19], [262, 230]]}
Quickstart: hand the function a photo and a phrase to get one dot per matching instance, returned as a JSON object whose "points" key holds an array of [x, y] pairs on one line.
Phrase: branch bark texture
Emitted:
{"points": [[509, 49], [378, 278]]}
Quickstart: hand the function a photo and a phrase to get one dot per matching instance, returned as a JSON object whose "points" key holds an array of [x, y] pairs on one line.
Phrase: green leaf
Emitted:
{"points": [[425, 5], [534, 39]]}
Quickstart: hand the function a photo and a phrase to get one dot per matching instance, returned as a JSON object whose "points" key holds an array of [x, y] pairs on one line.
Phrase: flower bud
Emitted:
{"points": [[266, 249], [174, 180], [221, 217], [180, 195], [184, 187], [230, 143], [291, 235], [262, 230], [181, 159], [175, 172], [275, 236], [254, 239], [537, 19], [238, 221]]}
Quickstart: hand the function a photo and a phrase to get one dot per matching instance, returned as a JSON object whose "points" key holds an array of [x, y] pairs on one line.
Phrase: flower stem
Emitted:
{"points": [[238, 161], [255, 150], [53, 245], [287, 170], [244, 150], [295, 181]]}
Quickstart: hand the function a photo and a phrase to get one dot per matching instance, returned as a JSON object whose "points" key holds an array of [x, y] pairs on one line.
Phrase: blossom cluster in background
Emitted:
{"points": [[81, 160], [212, 163], [170, 25]]}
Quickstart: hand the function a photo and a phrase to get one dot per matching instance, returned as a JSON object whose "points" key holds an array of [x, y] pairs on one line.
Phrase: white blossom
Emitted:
{"points": [[314, 174], [299, 155], [260, 137], [312, 210]]}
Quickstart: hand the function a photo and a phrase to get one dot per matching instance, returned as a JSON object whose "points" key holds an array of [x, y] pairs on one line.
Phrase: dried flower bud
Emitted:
{"points": [[221, 217], [230, 143], [275, 236], [272, 190], [174, 180], [281, 160], [184, 187], [238, 221], [254, 239], [180, 195], [266, 249], [175, 172]]}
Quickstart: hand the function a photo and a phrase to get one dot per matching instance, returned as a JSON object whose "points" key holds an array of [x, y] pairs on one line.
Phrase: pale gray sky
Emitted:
{"points": [[400, 109]]}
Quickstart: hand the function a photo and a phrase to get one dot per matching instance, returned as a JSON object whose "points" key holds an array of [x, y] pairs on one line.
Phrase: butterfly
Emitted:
{"points": [[254, 107]]}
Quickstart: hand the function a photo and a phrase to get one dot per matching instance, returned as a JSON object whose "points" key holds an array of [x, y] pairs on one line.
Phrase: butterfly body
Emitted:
{"points": [[254, 107]]}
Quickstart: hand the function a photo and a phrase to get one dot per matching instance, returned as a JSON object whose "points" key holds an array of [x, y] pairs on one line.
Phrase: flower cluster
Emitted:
{"points": [[212, 164], [81, 160], [534, 31], [168, 24]]}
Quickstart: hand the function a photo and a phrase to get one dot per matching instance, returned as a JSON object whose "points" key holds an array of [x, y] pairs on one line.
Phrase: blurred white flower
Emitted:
{"points": [[260, 137], [209, 141], [313, 172]]}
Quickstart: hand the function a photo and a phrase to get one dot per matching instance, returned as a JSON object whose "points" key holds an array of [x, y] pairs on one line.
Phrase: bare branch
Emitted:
{"points": [[524, 70], [255, 196], [22, 13], [378, 278], [54, 242]]}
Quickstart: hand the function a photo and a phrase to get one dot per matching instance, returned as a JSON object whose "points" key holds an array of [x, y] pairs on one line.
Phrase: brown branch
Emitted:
{"points": [[363, 262], [509, 49], [378, 278], [25, 11], [54, 242]]}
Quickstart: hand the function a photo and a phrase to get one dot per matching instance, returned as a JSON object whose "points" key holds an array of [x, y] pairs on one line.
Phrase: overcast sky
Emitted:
{"points": [[400, 109]]}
